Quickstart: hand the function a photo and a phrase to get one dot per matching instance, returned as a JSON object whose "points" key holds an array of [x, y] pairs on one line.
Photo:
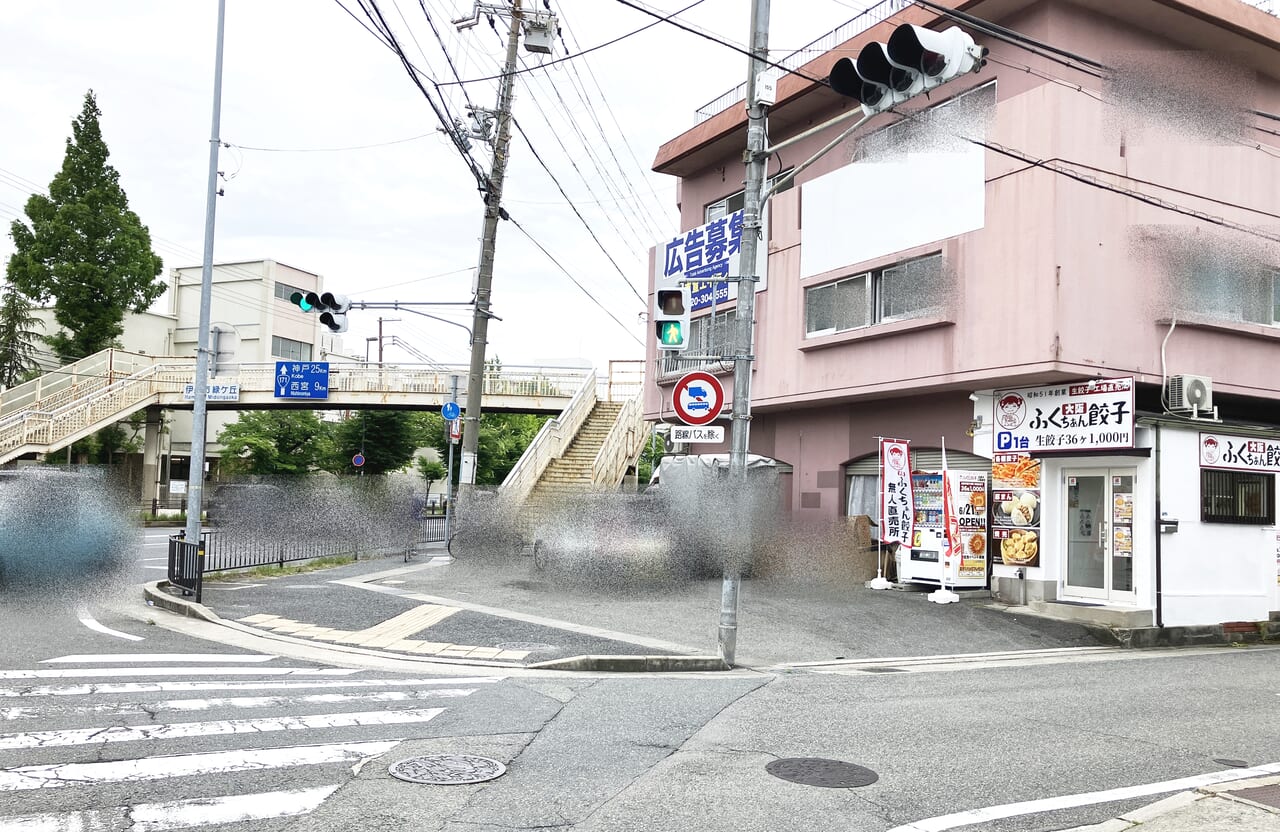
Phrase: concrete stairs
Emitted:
{"points": [[571, 474]]}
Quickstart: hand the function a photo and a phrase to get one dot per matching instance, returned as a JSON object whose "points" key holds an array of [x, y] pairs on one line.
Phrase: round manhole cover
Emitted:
{"points": [[447, 769], [529, 646], [815, 771]]}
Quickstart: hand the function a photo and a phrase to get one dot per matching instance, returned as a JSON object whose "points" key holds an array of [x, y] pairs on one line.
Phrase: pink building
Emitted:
{"points": [[1099, 202]]}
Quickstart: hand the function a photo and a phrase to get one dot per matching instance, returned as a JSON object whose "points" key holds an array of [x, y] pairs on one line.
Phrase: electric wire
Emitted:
{"points": [[329, 149]]}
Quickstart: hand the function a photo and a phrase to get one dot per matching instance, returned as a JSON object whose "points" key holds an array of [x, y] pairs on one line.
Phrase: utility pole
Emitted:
{"points": [[751, 238], [484, 277], [200, 384]]}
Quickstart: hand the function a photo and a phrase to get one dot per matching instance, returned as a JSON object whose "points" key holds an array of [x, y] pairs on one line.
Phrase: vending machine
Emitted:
{"points": [[923, 562]]}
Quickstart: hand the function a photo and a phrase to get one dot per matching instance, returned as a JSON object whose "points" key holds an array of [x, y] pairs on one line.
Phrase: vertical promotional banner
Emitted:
{"points": [[970, 500], [897, 510]]}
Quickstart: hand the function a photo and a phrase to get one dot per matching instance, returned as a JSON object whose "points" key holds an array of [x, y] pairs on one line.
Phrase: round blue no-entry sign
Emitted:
{"points": [[450, 411], [357, 460]]}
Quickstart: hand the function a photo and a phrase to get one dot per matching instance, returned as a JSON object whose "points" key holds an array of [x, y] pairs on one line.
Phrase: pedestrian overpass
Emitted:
{"points": [[72, 402]]}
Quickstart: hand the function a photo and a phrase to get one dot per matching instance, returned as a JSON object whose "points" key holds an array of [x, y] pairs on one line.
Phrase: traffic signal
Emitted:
{"points": [[332, 308], [915, 60], [671, 314]]}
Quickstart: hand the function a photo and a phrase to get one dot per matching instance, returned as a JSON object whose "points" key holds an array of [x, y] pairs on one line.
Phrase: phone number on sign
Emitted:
{"points": [[1081, 440]]}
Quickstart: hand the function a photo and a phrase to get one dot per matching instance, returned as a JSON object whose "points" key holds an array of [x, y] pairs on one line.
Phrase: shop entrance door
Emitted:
{"points": [[1099, 534]]}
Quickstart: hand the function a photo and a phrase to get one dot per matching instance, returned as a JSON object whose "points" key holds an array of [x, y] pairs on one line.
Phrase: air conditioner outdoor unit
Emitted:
{"points": [[1190, 394]]}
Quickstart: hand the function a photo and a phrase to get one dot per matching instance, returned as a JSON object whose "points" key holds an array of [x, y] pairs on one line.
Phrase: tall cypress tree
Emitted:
{"points": [[84, 248], [17, 337]]}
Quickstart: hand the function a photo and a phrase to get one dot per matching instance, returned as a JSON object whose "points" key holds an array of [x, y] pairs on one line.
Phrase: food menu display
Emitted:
{"points": [[969, 496], [1015, 509], [1121, 521]]}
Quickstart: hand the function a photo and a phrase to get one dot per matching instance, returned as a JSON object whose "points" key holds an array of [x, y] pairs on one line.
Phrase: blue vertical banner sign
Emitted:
{"points": [[703, 257], [302, 380]]}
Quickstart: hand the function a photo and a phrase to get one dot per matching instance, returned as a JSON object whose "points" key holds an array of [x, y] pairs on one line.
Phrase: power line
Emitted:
{"points": [[329, 149]]}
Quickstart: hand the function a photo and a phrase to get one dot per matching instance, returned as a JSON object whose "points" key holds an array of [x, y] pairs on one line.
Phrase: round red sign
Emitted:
{"points": [[698, 398]]}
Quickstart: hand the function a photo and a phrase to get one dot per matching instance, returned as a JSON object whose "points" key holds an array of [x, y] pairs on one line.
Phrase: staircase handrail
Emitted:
{"points": [[56, 387], [549, 443], [621, 444]]}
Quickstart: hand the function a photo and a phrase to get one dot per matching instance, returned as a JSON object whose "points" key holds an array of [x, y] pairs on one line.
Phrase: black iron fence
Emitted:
{"points": [[216, 552]]}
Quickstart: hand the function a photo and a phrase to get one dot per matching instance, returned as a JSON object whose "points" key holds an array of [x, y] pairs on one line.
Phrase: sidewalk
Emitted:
{"points": [[1251, 805]]}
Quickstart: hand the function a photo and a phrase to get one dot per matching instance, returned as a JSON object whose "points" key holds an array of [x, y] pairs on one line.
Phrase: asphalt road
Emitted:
{"points": [[106, 718]]}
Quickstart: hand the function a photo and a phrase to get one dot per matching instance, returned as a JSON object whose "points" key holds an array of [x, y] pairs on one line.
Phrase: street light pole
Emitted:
{"points": [[484, 278], [751, 238], [200, 384]]}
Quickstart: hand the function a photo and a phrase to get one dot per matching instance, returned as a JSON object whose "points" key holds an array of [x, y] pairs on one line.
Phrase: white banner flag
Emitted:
{"points": [[897, 505]]}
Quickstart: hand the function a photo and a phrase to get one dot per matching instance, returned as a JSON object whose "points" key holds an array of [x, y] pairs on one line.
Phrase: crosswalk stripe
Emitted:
{"points": [[184, 765], [126, 708], [176, 687], [178, 730], [98, 672], [178, 814], [108, 658]]}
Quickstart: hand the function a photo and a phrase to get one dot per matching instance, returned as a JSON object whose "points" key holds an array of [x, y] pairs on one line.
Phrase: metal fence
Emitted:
{"points": [[188, 563]]}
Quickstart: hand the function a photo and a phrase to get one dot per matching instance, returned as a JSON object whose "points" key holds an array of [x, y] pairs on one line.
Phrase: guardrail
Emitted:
{"points": [[76, 380], [186, 563], [621, 444]]}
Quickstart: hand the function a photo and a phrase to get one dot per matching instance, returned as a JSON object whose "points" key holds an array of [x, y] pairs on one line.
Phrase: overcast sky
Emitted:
{"points": [[401, 221]]}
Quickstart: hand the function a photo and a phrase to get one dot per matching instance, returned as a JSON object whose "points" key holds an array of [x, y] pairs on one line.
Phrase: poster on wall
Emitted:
{"points": [[1015, 509], [1121, 522], [897, 504], [1089, 415], [969, 496], [704, 257]]}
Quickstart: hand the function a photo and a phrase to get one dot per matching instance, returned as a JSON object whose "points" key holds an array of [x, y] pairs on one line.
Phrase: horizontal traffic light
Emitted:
{"points": [[332, 307], [914, 60]]}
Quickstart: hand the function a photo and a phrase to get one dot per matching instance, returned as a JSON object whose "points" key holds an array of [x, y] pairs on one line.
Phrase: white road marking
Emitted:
{"points": [[176, 687], [147, 559], [184, 765], [178, 814], [983, 661], [1072, 801], [177, 671], [221, 727], [108, 658], [88, 620], [121, 708], [231, 587]]}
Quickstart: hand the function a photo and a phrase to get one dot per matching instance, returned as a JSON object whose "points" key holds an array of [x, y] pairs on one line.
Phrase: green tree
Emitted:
{"points": [[17, 337], [430, 470], [387, 438], [84, 248], [275, 442], [503, 438]]}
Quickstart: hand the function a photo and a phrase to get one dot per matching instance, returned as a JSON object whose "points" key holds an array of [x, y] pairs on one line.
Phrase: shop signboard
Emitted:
{"points": [[897, 499], [1239, 453], [1090, 415], [1015, 509]]}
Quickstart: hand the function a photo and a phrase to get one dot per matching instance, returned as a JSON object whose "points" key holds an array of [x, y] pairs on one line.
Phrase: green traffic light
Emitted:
{"points": [[299, 300], [671, 333]]}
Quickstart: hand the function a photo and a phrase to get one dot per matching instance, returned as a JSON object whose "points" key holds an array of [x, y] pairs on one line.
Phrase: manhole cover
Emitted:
{"points": [[815, 771], [447, 769], [529, 646], [1267, 795], [1224, 761]]}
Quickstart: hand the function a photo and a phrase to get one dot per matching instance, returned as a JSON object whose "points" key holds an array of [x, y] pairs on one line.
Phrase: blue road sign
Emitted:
{"points": [[450, 411], [302, 380], [357, 460]]}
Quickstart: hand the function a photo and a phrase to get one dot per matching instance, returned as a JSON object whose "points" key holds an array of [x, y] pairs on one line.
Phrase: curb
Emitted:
{"points": [[155, 596]]}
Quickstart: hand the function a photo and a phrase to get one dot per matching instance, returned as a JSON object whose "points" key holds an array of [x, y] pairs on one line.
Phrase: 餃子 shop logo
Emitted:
{"points": [[1209, 450], [897, 458], [1011, 409]]}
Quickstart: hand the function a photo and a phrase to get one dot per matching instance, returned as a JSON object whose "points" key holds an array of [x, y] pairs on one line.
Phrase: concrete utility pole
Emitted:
{"points": [[484, 278], [200, 384], [751, 239]]}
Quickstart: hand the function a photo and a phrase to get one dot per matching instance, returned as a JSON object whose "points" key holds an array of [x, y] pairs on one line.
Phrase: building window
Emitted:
{"points": [[1240, 497], [735, 202], [912, 289], [1226, 291], [284, 291], [290, 350], [710, 337]]}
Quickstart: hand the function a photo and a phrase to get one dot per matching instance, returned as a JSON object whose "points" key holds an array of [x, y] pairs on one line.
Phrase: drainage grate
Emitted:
{"points": [[530, 646], [1230, 763], [882, 670], [815, 771], [1266, 795], [447, 769]]}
